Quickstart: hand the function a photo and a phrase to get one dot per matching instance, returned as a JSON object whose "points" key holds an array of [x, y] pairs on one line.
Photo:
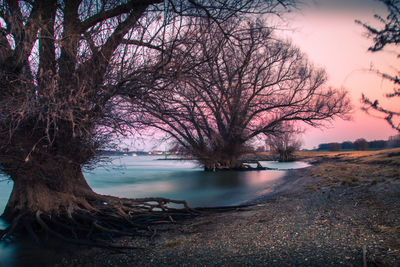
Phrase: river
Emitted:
{"points": [[150, 176]]}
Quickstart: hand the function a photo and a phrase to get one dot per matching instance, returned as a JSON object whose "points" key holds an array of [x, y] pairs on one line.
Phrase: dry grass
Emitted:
{"points": [[353, 168], [391, 156]]}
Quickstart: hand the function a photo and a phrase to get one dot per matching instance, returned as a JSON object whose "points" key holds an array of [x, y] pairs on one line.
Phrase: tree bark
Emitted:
{"points": [[53, 198], [55, 187], [221, 161]]}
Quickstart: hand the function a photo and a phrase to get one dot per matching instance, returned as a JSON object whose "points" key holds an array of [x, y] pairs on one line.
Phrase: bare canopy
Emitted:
{"points": [[231, 82], [284, 145], [62, 65]]}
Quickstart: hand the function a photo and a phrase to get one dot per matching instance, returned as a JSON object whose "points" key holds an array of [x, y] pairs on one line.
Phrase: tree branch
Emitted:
{"points": [[141, 43], [119, 10]]}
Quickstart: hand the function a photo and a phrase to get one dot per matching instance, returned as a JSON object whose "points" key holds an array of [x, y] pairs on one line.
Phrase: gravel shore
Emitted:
{"points": [[307, 221]]}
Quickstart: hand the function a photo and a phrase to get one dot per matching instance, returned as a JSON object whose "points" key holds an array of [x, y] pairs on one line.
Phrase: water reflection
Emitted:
{"points": [[135, 177], [284, 165], [144, 176], [198, 188]]}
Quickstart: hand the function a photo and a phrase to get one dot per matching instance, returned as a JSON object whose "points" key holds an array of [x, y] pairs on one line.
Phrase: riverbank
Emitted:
{"points": [[344, 210]]}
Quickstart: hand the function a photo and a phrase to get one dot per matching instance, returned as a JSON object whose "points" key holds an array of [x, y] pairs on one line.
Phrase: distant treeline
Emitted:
{"points": [[362, 144]]}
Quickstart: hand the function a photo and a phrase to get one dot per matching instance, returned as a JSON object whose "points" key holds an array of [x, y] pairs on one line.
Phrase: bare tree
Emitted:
{"points": [[226, 88], [285, 145], [388, 34], [62, 65]]}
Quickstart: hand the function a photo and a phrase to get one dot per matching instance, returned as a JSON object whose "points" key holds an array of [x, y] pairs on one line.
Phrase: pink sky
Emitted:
{"points": [[325, 30], [327, 33]]}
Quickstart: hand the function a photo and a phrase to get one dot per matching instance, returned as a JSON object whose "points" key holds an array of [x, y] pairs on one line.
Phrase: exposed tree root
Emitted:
{"points": [[100, 220], [241, 165]]}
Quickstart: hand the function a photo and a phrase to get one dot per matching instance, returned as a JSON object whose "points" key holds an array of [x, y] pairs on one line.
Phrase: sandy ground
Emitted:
{"points": [[338, 212]]}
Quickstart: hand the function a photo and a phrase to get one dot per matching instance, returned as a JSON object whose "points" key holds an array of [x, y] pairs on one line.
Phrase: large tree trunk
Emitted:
{"points": [[47, 175], [223, 156], [51, 196], [286, 156], [224, 161], [52, 187], [214, 161]]}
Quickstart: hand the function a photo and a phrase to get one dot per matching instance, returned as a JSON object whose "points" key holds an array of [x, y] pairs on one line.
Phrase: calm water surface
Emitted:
{"points": [[145, 176], [148, 176]]}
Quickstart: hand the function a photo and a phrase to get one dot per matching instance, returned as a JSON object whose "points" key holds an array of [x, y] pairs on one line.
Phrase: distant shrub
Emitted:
{"points": [[360, 144]]}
